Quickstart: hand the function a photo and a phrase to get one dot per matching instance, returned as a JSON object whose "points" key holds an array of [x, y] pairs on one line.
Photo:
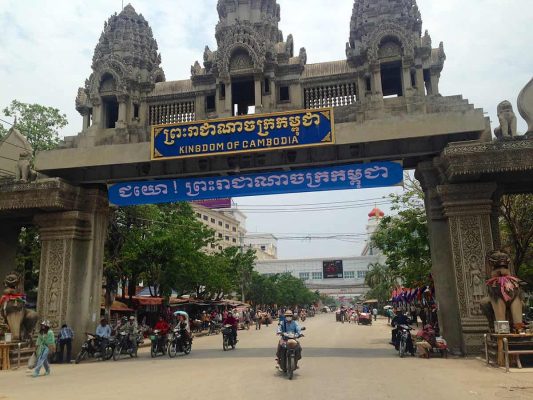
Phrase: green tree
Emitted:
{"points": [[403, 238], [381, 280], [40, 124], [242, 265], [516, 227]]}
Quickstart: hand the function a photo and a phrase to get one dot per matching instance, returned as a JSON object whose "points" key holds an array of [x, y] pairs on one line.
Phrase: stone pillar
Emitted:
{"points": [[97, 112], [199, 107], [86, 120], [9, 234], [122, 111], [377, 89], [435, 77], [442, 268], [468, 208], [406, 80], [420, 86], [361, 87], [258, 95], [70, 280], [229, 100]]}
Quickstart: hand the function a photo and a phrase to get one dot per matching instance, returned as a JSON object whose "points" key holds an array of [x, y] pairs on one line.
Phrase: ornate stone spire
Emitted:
{"points": [[248, 38], [374, 17], [128, 51]]}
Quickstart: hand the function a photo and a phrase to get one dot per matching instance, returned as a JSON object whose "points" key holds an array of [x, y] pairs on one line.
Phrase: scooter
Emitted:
{"points": [[158, 343], [92, 348], [289, 346], [228, 339], [178, 342], [405, 342]]}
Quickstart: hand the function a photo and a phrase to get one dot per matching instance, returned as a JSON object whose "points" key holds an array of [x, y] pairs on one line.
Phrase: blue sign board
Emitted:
{"points": [[243, 134], [354, 176]]}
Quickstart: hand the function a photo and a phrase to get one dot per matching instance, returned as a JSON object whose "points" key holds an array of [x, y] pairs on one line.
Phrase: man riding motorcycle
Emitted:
{"points": [[288, 325], [231, 320], [400, 319], [162, 326], [131, 329], [103, 333]]}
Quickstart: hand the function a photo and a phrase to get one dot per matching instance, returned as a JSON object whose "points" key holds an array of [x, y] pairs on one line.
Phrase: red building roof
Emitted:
{"points": [[376, 212]]}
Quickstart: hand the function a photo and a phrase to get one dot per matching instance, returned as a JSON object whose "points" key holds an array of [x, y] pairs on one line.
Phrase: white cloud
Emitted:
{"points": [[46, 49]]}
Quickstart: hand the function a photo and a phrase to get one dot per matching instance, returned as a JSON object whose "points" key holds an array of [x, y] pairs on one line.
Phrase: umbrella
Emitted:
{"points": [[387, 307]]}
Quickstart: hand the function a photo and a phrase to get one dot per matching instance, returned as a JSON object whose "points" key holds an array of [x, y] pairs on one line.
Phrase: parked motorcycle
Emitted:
{"points": [[405, 342], [159, 344], [228, 340], [289, 347], [92, 348], [124, 346], [177, 342]]}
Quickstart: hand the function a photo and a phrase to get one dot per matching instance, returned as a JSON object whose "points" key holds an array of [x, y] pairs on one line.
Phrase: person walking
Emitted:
{"points": [[46, 343], [375, 313], [65, 340]]}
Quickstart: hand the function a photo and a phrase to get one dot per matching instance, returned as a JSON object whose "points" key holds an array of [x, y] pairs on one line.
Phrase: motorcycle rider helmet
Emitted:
{"points": [[132, 318]]}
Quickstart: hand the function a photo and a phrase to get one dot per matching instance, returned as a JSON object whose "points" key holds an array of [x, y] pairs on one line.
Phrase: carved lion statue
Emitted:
{"points": [[20, 320], [507, 118], [24, 172], [504, 302]]}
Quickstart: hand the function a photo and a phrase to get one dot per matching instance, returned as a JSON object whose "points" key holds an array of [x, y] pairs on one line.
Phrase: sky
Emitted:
{"points": [[46, 48]]}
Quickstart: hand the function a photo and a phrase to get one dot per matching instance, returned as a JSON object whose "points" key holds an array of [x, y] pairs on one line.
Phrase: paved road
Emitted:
{"points": [[340, 361]]}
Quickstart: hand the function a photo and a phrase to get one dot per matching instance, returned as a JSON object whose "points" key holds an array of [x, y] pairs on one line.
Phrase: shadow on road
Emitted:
{"points": [[309, 352]]}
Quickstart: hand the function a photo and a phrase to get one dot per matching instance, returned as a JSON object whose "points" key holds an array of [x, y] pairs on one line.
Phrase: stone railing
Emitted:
{"points": [[171, 113], [336, 95]]}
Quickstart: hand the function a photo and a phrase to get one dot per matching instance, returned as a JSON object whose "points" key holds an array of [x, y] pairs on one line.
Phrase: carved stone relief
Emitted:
{"points": [[471, 239]]}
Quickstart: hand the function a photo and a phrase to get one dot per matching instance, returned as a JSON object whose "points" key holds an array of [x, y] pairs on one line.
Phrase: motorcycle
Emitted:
{"points": [[228, 339], [214, 328], [125, 347], [289, 347], [303, 317], [92, 348], [158, 343], [177, 342], [405, 342]]}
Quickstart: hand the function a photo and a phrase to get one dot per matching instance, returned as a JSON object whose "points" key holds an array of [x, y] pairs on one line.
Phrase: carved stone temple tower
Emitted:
{"points": [[388, 50], [126, 66], [251, 57]]}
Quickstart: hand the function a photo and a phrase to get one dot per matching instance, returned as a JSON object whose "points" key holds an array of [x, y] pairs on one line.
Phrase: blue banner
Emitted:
{"points": [[243, 134], [354, 176]]}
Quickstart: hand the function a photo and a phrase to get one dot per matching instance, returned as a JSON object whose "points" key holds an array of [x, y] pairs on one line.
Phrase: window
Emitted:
{"points": [[206, 218], [284, 94], [234, 229], [199, 215], [220, 235], [361, 274], [234, 240], [227, 226], [222, 91], [317, 275], [349, 274], [212, 220], [220, 247], [212, 246], [227, 238], [304, 276], [219, 223], [136, 111], [210, 103]]}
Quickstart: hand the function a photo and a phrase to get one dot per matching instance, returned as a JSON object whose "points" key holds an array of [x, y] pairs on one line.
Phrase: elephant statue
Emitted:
{"points": [[504, 302], [21, 321], [507, 118]]}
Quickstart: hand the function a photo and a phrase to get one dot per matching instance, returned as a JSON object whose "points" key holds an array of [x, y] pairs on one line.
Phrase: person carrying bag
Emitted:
{"points": [[46, 343]]}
